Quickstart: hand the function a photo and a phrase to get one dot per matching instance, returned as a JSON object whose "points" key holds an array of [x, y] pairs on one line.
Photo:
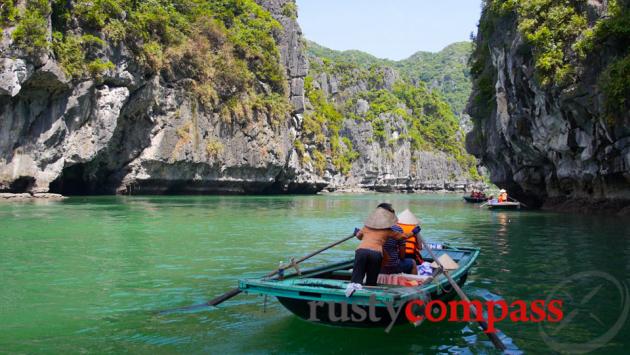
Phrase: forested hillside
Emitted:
{"points": [[446, 70], [359, 100]]}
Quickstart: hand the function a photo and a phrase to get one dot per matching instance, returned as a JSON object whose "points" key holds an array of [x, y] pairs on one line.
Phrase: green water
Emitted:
{"points": [[88, 274]]}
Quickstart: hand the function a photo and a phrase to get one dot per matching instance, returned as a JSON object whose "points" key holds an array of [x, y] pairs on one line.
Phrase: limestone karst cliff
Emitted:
{"points": [[383, 127], [194, 96], [148, 97], [550, 101]]}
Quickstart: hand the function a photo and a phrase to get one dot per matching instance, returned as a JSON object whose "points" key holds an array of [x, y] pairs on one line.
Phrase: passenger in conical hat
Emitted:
{"points": [[408, 218], [402, 255], [406, 221], [380, 225]]}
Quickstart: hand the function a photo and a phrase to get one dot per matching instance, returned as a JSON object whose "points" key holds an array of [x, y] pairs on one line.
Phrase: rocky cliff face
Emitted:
{"points": [[133, 131], [550, 139], [142, 98], [371, 132]]}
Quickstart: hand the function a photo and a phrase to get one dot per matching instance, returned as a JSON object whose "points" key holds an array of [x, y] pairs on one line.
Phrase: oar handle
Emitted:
{"points": [[493, 337]]}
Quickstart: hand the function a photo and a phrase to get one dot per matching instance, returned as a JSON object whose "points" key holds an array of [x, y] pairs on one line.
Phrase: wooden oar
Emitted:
{"points": [[483, 204], [493, 337], [235, 291]]}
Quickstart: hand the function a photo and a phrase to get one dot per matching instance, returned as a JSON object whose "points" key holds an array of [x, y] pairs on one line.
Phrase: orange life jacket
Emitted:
{"points": [[412, 248], [502, 197]]}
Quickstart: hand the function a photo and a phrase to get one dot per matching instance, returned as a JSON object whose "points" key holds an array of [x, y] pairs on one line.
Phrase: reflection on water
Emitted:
{"points": [[88, 274]]}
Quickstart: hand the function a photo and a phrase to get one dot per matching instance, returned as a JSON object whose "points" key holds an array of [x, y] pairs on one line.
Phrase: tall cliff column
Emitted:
{"points": [[553, 132], [291, 47]]}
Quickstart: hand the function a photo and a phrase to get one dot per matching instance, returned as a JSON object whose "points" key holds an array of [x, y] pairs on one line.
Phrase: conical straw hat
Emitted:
{"points": [[380, 219], [406, 217]]}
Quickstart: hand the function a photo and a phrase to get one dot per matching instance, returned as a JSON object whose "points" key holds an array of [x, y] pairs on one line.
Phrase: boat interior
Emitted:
{"points": [[337, 275], [343, 271], [330, 281]]}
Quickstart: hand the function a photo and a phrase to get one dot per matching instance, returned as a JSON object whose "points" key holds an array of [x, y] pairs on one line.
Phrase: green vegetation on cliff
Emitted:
{"points": [[431, 122], [389, 92], [561, 40], [8, 12], [226, 47], [32, 27], [551, 27], [325, 116], [613, 33], [446, 70], [352, 56]]}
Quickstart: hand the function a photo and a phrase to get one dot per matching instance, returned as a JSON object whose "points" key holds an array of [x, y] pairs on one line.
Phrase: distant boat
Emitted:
{"points": [[494, 205], [327, 284], [471, 199]]}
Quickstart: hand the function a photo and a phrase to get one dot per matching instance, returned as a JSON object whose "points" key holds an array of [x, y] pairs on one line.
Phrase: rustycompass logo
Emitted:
{"points": [[417, 311], [588, 298]]}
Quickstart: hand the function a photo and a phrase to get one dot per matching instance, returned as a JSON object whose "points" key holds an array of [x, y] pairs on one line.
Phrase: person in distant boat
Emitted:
{"points": [[380, 225], [395, 251], [503, 197]]}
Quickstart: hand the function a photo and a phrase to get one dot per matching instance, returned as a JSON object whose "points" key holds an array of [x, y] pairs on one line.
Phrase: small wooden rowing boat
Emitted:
{"points": [[471, 199], [327, 285], [504, 205]]}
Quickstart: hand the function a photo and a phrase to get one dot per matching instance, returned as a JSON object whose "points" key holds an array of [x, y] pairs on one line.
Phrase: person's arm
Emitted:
{"points": [[397, 232], [358, 233]]}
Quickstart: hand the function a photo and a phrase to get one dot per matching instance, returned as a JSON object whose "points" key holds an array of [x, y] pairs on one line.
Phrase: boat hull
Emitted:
{"points": [[318, 295], [504, 206], [474, 199], [358, 316]]}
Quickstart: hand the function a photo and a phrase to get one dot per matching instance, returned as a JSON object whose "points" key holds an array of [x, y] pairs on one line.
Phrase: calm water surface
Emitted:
{"points": [[88, 274]]}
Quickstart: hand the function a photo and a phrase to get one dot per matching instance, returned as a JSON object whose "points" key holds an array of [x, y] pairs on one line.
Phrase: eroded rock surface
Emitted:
{"points": [[129, 133], [550, 145]]}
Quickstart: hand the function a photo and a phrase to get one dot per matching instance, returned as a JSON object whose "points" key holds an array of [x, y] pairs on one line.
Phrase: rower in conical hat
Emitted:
{"points": [[380, 225], [383, 217], [408, 222]]}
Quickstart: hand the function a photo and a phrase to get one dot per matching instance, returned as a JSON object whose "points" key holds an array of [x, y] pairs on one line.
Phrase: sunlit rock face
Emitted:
{"points": [[130, 132]]}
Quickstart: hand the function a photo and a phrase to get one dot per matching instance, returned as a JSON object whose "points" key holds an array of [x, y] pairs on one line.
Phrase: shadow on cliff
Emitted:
{"points": [[103, 174]]}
